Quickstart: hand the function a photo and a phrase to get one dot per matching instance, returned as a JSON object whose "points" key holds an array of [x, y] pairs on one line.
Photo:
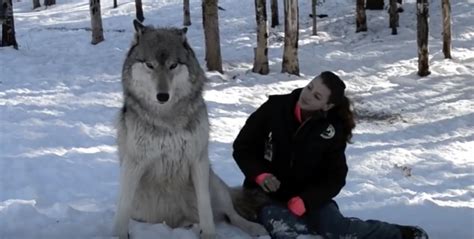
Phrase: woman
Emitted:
{"points": [[292, 149]]}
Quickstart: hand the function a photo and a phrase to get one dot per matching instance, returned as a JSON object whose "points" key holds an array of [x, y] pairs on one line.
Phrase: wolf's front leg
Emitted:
{"points": [[130, 175], [200, 177]]}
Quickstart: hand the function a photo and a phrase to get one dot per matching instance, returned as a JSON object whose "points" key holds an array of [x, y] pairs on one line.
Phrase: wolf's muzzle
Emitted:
{"points": [[162, 97]]}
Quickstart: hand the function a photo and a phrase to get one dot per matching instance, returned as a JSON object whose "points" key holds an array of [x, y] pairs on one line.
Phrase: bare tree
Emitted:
{"points": [[260, 64], [49, 2], [361, 19], [36, 4], [393, 11], [274, 7], [8, 25], [139, 9], [290, 52], [446, 28], [313, 13], [115, 4], [186, 13], [211, 34], [422, 36], [96, 22]]}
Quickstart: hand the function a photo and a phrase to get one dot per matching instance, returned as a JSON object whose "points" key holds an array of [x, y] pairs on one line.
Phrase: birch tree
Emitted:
{"points": [[211, 34], [446, 5], [96, 22], [422, 7], [313, 13], [361, 19], [260, 64], [290, 52], [186, 13], [8, 25]]}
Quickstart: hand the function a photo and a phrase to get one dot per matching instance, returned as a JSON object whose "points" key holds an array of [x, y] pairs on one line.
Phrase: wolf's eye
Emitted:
{"points": [[149, 65], [173, 66]]}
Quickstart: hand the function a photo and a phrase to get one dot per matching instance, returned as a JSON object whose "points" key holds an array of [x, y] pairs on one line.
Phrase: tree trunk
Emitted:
{"points": [[313, 12], [96, 22], [446, 29], [290, 52], [274, 7], [393, 11], [36, 4], [49, 2], [186, 13], [422, 36], [8, 25], [139, 9], [115, 4], [374, 4], [260, 64], [211, 34], [361, 19]]}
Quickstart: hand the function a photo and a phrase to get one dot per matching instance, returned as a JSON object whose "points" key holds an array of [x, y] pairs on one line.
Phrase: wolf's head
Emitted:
{"points": [[161, 68]]}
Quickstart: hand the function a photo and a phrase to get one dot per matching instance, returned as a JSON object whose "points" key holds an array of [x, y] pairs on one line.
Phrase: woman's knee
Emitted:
{"points": [[327, 219], [281, 223], [271, 213]]}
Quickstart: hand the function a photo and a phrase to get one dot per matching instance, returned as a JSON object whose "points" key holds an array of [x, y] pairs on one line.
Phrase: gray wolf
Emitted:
{"points": [[163, 137]]}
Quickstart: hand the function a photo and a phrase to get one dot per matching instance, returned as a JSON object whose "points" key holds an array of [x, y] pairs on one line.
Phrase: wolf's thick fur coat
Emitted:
{"points": [[163, 136]]}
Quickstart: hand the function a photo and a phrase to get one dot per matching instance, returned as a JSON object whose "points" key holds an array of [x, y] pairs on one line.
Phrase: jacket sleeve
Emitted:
{"points": [[249, 146], [315, 195]]}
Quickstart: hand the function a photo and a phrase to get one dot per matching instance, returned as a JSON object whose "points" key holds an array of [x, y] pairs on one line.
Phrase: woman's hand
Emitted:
{"points": [[268, 182], [296, 206]]}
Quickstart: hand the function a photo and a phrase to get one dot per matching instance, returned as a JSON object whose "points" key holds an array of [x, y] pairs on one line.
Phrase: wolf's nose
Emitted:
{"points": [[162, 97]]}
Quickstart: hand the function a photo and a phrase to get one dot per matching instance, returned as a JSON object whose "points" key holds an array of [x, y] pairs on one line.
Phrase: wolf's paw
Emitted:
{"points": [[121, 234], [194, 227], [126, 236], [256, 230], [120, 228]]}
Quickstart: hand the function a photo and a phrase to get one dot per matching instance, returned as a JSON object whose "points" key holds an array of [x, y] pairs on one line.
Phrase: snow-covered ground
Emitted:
{"points": [[412, 157]]}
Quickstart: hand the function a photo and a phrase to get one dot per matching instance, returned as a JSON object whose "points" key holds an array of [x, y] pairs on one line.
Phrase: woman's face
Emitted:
{"points": [[315, 96]]}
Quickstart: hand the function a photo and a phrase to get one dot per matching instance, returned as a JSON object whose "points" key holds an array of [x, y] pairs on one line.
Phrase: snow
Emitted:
{"points": [[412, 157]]}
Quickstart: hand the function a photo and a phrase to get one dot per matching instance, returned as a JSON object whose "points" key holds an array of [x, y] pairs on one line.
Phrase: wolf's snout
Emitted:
{"points": [[162, 97]]}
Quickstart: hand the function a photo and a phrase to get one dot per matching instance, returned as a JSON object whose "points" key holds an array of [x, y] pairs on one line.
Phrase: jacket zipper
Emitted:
{"points": [[294, 137]]}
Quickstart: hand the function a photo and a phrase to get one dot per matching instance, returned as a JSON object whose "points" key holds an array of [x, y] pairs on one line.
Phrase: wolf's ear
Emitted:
{"points": [[183, 32], [139, 28]]}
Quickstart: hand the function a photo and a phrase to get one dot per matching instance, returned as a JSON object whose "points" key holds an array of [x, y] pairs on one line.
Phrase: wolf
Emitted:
{"points": [[163, 137]]}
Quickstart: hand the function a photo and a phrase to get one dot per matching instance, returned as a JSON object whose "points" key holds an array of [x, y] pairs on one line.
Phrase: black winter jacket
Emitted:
{"points": [[307, 158]]}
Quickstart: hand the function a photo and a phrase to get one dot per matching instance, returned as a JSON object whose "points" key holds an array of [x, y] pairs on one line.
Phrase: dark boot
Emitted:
{"points": [[412, 232]]}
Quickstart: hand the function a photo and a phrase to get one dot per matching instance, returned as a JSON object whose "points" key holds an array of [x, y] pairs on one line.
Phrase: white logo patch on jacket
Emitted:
{"points": [[329, 132], [268, 155]]}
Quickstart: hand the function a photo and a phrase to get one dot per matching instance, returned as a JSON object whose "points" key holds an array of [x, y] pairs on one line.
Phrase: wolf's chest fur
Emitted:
{"points": [[167, 152]]}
